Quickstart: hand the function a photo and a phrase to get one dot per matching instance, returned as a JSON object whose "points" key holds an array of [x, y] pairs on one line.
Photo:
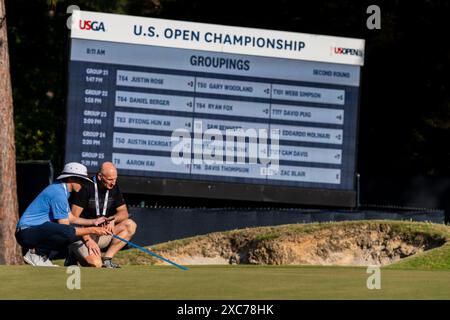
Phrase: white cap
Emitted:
{"points": [[74, 169]]}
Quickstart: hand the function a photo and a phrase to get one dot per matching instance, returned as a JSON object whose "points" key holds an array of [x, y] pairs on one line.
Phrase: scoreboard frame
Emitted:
{"points": [[267, 193]]}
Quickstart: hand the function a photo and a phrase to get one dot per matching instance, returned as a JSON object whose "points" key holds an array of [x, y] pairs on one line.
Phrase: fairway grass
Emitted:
{"points": [[425, 275], [222, 283]]}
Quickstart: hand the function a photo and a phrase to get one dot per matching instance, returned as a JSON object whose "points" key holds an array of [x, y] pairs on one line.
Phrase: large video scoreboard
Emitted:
{"points": [[191, 109]]}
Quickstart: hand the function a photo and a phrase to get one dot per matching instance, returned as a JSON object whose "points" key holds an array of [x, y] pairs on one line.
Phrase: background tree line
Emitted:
{"points": [[404, 106]]}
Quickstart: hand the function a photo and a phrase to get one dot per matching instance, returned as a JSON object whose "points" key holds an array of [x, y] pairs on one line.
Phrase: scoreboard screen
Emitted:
{"points": [[192, 109]]}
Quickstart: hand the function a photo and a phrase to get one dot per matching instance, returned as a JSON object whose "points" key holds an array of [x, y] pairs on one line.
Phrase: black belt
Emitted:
{"points": [[18, 229]]}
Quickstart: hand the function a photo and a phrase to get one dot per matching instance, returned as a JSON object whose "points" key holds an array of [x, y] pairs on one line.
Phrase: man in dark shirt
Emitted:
{"points": [[102, 199]]}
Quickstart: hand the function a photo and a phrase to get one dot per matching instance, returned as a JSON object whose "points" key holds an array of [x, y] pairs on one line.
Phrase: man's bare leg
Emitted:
{"points": [[126, 229], [92, 261]]}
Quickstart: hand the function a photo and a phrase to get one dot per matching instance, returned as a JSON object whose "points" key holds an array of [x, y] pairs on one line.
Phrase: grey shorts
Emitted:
{"points": [[81, 251]]}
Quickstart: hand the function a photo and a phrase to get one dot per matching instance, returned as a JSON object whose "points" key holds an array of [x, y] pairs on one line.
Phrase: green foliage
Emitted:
{"points": [[435, 259], [267, 236], [405, 108], [39, 44]]}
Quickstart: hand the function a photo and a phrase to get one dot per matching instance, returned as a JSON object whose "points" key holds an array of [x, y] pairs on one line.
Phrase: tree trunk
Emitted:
{"points": [[9, 249]]}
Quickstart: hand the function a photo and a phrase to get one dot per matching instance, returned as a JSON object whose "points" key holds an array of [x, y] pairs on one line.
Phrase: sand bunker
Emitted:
{"points": [[346, 244]]}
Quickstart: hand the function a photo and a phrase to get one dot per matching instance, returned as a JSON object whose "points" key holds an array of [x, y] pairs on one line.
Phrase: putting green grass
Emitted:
{"points": [[222, 282]]}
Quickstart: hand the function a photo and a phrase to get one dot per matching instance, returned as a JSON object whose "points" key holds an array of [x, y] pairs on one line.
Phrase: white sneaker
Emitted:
{"points": [[44, 261], [37, 260], [30, 258]]}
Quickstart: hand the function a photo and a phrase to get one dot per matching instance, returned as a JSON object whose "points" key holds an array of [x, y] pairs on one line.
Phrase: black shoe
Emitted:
{"points": [[108, 263], [71, 260]]}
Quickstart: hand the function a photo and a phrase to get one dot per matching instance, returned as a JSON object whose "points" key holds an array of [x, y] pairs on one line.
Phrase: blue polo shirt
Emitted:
{"points": [[50, 205]]}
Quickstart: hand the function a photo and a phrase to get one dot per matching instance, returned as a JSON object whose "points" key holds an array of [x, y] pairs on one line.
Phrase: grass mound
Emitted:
{"points": [[399, 244]]}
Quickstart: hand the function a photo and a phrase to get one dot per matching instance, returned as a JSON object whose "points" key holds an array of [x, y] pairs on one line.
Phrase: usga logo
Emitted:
{"points": [[352, 52], [92, 25]]}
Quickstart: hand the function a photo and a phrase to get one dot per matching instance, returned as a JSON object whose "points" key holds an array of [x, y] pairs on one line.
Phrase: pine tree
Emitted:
{"points": [[9, 249]]}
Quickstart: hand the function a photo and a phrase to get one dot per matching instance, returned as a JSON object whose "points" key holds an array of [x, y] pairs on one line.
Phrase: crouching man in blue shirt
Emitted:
{"points": [[44, 226]]}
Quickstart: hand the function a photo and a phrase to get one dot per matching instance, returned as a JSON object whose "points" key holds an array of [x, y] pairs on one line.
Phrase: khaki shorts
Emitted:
{"points": [[81, 251]]}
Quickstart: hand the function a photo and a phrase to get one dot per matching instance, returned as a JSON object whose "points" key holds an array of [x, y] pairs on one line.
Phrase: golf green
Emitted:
{"points": [[222, 282]]}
